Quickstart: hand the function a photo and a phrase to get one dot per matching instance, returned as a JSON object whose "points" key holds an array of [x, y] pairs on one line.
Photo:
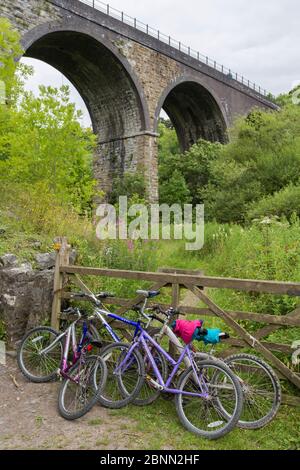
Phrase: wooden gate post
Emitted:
{"points": [[62, 259]]}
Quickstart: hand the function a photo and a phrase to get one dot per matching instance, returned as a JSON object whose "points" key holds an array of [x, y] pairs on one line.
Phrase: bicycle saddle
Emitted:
{"points": [[149, 294]]}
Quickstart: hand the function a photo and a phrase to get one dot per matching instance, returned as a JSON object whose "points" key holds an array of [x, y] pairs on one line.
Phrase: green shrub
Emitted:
{"points": [[174, 190], [283, 203], [131, 185], [269, 251]]}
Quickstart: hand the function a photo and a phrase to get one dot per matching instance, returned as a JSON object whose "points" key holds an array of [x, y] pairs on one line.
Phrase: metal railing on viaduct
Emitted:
{"points": [[145, 28]]}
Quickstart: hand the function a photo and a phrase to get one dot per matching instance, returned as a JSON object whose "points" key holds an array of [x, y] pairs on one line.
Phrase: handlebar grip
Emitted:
{"points": [[69, 311], [79, 295], [105, 295], [155, 317], [224, 336]]}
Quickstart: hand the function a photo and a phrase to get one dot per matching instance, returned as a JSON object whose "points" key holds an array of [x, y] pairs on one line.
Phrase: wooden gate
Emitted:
{"points": [[196, 282]]}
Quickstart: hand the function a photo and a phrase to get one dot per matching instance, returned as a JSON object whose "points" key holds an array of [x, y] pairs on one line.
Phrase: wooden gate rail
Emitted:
{"points": [[248, 285], [196, 282]]}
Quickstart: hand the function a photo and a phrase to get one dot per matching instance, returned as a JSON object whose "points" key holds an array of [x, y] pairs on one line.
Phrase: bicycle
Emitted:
{"points": [[218, 393], [260, 384], [77, 394], [41, 350], [261, 404]]}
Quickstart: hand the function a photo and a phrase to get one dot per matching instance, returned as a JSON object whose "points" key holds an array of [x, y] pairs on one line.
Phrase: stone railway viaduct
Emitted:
{"points": [[126, 77]]}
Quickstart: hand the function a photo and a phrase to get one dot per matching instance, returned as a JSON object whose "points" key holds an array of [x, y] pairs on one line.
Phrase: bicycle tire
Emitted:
{"points": [[231, 422], [275, 399], [147, 389], [99, 367], [53, 375], [124, 398]]}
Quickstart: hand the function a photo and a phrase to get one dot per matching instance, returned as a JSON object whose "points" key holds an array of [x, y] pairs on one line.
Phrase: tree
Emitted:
{"points": [[10, 51], [168, 142], [293, 97], [193, 167], [41, 140], [131, 185], [196, 165], [175, 190], [44, 141], [262, 159]]}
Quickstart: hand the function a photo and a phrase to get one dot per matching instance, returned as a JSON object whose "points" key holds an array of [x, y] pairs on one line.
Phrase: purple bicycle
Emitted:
{"points": [[208, 395]]}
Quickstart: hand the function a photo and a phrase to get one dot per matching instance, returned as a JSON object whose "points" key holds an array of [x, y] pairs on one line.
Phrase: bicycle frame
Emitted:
{"points": [[140, 339], [70, 335], [98, 312]]}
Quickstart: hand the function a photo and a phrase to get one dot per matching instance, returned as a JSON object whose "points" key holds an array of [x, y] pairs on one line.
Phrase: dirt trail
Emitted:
{"points": [[190, 299], [29, 419]]}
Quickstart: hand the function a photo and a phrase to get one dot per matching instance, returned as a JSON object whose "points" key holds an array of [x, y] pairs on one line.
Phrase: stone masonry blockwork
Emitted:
{"points": [[125, 78]]}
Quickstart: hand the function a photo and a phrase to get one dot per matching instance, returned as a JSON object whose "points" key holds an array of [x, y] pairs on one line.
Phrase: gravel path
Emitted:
{"points": [[29, 419]]}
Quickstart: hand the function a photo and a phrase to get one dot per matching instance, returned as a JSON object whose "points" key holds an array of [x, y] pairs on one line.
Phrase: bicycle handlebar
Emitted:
{"points": [[83, 295], [70, 311], [79, 313], [168, 313]]}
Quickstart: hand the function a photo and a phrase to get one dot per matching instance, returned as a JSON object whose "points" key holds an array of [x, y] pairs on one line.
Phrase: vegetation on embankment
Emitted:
{"points": [[256, 174], [47, 189]]}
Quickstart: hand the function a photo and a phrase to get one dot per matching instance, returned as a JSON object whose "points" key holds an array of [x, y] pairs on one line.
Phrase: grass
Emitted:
{"points": [[95, 422], [161, 429], [105, 441], [39, 420], [229, 251]]}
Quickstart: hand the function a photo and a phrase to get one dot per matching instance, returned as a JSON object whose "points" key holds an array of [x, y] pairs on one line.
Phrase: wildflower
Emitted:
{"points": [[130, 245]]}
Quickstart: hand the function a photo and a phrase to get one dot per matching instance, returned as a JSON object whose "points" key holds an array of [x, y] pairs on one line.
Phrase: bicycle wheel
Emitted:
{"points": [[123, 384], [201, 415], [78, 394], [149, 393], [261, 388], [37, 367]]}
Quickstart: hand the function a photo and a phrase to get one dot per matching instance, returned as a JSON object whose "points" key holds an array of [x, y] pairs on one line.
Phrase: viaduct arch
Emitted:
{"points": [[125, 76]]}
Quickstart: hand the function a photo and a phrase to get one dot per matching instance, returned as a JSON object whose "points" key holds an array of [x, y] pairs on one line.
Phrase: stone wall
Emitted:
{"points": [[26, 14], [26, 294], [25, 297]]}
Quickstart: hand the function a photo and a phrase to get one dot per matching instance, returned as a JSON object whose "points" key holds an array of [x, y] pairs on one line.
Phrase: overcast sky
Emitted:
{"points": [[260, 39]]}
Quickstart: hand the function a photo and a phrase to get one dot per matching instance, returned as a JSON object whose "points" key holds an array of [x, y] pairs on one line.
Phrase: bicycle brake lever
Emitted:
{"points": [[69, 311], [224, 336]]}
